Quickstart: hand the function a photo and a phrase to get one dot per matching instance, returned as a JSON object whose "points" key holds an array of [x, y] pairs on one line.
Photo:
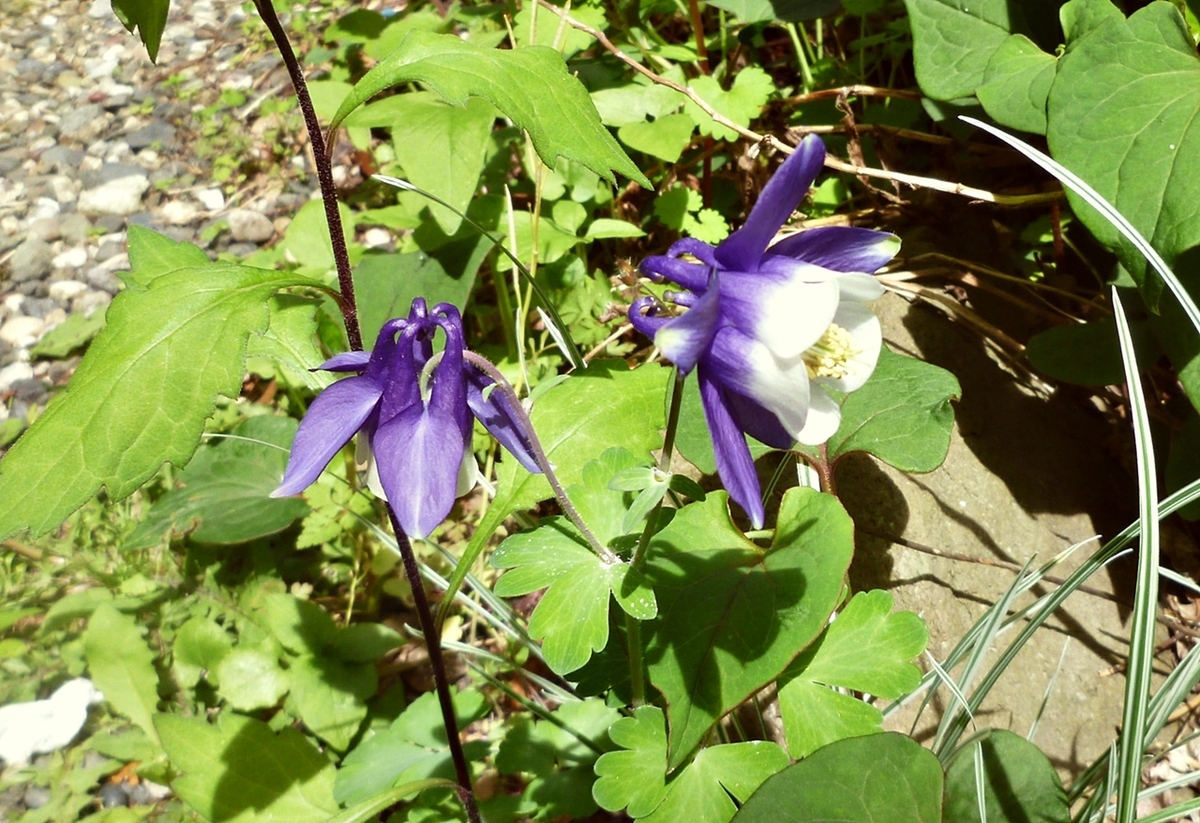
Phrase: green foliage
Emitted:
{"points": [[1019, 783], [73, 333], [122, 666], [529, 85], [756, 11], [237, 768], [866, 649], [741, 103], [732, 616], [184, 331], [224, 494], [882, 778], [149, 17]]}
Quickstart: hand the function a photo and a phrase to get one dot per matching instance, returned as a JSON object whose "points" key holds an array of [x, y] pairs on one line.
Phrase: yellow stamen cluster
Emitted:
{"points": [[831, 355]]}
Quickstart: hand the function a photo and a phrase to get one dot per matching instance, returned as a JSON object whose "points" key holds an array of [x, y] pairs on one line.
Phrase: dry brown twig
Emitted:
{"points": [[777, 144]]}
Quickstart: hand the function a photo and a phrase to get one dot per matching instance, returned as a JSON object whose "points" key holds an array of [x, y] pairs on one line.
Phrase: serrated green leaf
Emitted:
{"points": [[185, 336], [733, 616], [866, 649], [1124, 113], [1016, 84], [742, 103], [902, 415], [442, 149], [330, 696], [225, 493], [152, 254], [953, 41], [251, 679], [239, 771], [73, 333], [634, 778], [883, 778], [200, 646], [530, 85], [122, 666], [562, 38], [759, 11], [1019, 784], [149, 17], [664, 138], [535, 747]]}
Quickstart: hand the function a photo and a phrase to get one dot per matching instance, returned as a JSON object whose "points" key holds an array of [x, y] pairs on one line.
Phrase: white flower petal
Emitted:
{"points": [[824, 417]]}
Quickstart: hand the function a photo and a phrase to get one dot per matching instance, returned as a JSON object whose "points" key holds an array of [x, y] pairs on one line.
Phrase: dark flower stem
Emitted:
{"points": [[433, 642], [320, 152], [539, 454]]}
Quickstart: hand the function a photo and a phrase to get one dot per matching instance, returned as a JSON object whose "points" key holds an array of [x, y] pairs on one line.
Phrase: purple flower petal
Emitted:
{"points": [[686, 338], [698, 249], [418, 453], [742, 250], [747, 367], [494, 410], [691, 276], [840, 248], [332, 419], [347, 361], [786, 312], [758, 422], [734, 463]]}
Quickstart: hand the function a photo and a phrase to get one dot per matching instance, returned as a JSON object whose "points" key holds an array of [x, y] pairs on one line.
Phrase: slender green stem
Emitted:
{"points": [[433, 642], [539, 454], [801, 57], [637, 682], [664, 465], [321, 160]]}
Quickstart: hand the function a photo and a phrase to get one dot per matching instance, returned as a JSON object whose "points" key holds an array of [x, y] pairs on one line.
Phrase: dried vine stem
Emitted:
{"points": [[777, 144]]}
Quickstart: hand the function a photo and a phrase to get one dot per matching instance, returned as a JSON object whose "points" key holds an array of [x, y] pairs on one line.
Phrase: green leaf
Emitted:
{"points": [[122, 666], [385, 284], [250, 679], [883, 778], [141, 394], [700, 791], [742, 103], [759, 11], [1124, 114], [634, 778], [572, 615], [548, 30], [1016, 84], [443, 148], [902, 415], [200, 646], [225, 494], [413, 747], [149, 17], [600, 502], [732, 616], [152, 255], [634, 103], [664, 138], [300, 626], [238, 770], [604, 406], [954, 41], [530, 85], [1019, 783], [365, 642], [73, 333], [307, 239], [1087, 354], [330, 696], [605, 227], [289, 348], [866, 649]]}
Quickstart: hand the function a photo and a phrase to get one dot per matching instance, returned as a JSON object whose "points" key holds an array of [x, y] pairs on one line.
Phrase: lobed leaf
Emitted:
{"points": [[530, 85]]}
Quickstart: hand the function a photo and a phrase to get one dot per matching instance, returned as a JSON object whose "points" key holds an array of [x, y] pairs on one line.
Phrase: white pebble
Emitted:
{"points": [[22, 332], [70, 259]]}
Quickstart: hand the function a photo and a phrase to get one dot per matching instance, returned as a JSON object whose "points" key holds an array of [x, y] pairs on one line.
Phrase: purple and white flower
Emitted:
{"points": [[769, 330], [414, 407]]}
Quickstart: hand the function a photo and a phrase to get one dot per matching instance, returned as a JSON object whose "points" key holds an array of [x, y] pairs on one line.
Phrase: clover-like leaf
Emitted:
{"points": [[866, 649], [741, 103], [634, 778], [734, 616], [530, 85], [184, 335], [572, 615]]}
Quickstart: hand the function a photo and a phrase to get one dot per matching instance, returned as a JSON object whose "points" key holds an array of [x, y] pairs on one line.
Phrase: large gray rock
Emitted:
{"points": [[247, 226], [1027, 476], [30, 260]]}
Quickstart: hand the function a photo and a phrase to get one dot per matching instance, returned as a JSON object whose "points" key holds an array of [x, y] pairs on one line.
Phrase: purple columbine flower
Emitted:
{"points": [[414, 407], [769, 329]]}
